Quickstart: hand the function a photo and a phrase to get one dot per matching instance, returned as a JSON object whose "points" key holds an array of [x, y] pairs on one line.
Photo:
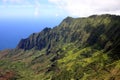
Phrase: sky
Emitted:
{"points": [[29, 9], [20, 18], [57, 8]]}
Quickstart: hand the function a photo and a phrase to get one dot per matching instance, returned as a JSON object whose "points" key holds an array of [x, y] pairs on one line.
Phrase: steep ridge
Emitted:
{"points": [[100, 30], [85, 48]]}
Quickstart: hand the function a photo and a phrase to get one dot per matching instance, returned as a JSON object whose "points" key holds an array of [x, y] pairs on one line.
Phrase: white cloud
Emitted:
{"points": [[88, 7], [56, 15], [23, 4], [37, 8], [14, 1], [36, 12]]}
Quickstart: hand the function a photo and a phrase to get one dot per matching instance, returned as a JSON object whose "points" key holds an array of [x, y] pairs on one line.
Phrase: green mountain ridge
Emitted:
{"points": [[76, 49]]}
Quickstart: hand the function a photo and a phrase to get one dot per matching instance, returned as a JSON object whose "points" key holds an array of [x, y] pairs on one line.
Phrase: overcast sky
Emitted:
{"points": [[57, 8]]}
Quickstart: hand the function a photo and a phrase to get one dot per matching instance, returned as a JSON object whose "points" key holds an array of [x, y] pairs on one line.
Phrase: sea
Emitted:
{"points": [[13, 30]]}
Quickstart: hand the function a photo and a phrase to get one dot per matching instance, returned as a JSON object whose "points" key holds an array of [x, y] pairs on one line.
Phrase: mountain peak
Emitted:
{"points": [[71, 30], [68, 19], [103, 15], [78, 49], [46, 29]]}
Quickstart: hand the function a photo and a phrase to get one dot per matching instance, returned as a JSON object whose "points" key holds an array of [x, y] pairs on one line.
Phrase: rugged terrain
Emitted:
{"points": [[85, 48]]}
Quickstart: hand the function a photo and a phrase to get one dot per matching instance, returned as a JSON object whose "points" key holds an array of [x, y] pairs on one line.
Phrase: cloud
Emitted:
{"points": [[37, 8], [88, 7], [37, 11], [14, 1], [27, 4]]}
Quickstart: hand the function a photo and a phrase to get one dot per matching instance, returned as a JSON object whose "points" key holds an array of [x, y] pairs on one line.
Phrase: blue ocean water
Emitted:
{"points": [[13, 30]]}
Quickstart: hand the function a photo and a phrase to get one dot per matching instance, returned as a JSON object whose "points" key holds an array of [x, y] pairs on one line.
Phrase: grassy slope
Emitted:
{"points": [[78, 49], [73, 63]]}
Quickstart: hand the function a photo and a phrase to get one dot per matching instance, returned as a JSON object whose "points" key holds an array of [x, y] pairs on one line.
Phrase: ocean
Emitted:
{"points": [[13, 30]]}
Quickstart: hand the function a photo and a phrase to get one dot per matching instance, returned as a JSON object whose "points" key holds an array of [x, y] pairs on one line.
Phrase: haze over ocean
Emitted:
{"points": [[13, 30]]}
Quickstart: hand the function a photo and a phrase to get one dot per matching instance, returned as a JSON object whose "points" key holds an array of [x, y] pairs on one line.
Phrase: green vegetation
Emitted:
{"points": [[77, 49]]}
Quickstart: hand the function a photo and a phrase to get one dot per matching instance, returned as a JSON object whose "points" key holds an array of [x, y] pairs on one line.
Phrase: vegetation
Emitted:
{"points": [[77, 49]]}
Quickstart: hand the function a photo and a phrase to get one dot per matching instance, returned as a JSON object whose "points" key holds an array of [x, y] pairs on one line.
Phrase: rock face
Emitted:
{"points": [[102, 30], [36, 40]]}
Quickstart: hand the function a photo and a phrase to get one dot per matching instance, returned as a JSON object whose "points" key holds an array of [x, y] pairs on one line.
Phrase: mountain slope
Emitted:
{"points": [[77, 49], [95, 30]]}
